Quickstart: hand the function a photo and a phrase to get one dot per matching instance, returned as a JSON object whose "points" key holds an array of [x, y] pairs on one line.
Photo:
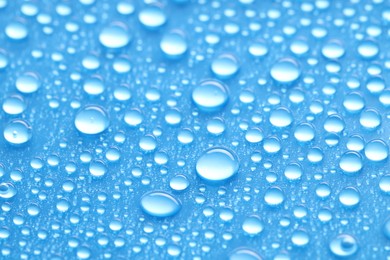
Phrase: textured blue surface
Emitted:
{"points": [[242, 129]]}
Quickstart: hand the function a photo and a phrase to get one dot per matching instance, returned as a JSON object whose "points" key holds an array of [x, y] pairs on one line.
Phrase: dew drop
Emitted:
{"points": [[225, 66], [376, 150], [349, 197], [115, 36], [274, 196], [28, 83], [285, 71], [179, 183], [152, 17], [252, 225], [351, 162], [174, 44], [16, 31]]}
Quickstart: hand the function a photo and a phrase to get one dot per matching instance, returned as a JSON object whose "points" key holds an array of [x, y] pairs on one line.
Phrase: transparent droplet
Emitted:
{"points": [[152, 17], [28, 83], [304, 132], [210, 95], [272, 145], [17, 132], [252, 225], [274, 196], [353, 102], [217, 164], [323, 190], [225, 66], [355, 143], [376, 150], [300, 238], [14, 105], [299, 47], [368, 49], [351, 162], [98, 169], [293, 172], [258, 49], [174, 44], [285, 71], [216, 126], [370, 119], [179, 183], [375, 85], [244, 254], [160, 204], [334, 124], [254, 135], [384, 184], [7, 190], [115, 36], [148, 143], [133, 118], [343, 245], [333, 50], [349, 197], [281, 117], [94, 86], [16, 31], [92, 120]]}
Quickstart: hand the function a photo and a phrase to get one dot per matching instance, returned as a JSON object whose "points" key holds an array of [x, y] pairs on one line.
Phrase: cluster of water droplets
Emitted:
{"points": [[194, 129]]}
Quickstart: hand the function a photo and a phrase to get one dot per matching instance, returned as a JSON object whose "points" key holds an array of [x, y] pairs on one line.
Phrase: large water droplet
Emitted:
{"points": [[160, 204], [16, 31], [92, 120], [217, 164], [351, 162], [349, 197], [376, 150]]}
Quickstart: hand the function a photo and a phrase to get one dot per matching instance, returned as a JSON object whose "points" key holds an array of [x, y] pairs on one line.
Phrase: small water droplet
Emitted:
{"points": [[210, 95], [115, 36], [17, 132], [160, 204], [285, 71]]}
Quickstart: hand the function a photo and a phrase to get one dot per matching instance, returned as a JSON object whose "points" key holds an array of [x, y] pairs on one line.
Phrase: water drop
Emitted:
{"points": [[225, 66], [351, 162], [217, 164], [148, 143], [7, 190], [17, 132], [92, 120], [160, 204], [274, 196], [97, 169], [376, 150], [115, 36], [285, 71], [174, 44], [304, 132], [28, 83], [244, 254], [16, 31], [368, 49], [210, 95], [293, 172], [300, 238], [333, 50], [281, 117], [133, 118], [343, 245], [14, 105], [179, 183], [252, 225], [349, 197], [152, 17]]}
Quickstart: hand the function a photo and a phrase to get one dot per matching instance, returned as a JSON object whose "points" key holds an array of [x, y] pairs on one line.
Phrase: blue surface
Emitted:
{"points": [[240, 129]]}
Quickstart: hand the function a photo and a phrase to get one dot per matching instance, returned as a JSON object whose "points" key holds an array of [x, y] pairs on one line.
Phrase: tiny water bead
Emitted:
{"points": [[225, 66], [174, 44], [274, 196], [210, 95], [244, 254], [7, 190], [14, 105], [252, 225], [17, 132], [152, 17], [115, 35], [351, 162], [349, 197], [343, 245], [16, 31], [28, 83], [217, 164], [160, 204], [285, 71], [91, 120]]}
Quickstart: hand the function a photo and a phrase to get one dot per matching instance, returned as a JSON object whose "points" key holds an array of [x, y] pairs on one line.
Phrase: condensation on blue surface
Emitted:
{"points": [[194, 129]]}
